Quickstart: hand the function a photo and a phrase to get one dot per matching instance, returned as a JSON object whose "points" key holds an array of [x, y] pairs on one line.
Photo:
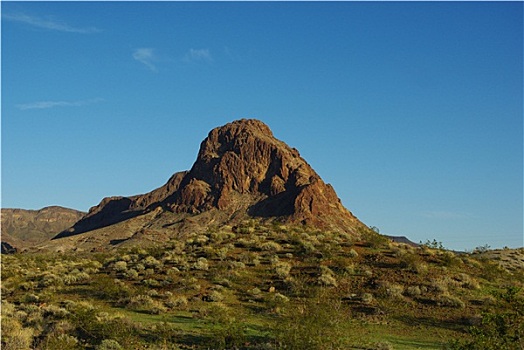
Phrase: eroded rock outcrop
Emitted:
{"points": [[240, 166]]}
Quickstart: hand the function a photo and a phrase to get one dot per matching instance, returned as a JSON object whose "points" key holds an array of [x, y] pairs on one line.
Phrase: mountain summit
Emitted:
{"points": [[244, 159], [241, 171]]}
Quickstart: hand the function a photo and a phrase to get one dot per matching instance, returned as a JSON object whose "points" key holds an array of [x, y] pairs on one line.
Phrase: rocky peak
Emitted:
{"points": [[243, 158], [241, 168]]}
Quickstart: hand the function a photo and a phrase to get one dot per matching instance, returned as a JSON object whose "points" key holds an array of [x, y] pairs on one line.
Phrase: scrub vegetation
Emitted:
{"points": [[256, 286]]}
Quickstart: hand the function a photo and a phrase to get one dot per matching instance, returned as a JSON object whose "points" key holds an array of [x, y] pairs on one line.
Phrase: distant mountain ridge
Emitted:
{"points": [[21, 228], [241, 170]]}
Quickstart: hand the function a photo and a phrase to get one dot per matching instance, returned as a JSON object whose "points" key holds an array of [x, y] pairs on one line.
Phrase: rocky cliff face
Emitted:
{"points": [[243, 158], [241, 167]]}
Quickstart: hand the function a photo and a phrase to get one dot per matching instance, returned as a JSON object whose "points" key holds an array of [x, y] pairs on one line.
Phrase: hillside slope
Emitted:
{"points": [[241, 171], [23, 228]]}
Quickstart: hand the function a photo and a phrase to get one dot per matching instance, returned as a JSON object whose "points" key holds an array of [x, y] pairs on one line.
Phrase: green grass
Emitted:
{"points": [[403, 337]]}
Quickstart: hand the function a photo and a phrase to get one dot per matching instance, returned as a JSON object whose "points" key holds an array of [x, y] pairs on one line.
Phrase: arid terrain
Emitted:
{"points": [[249, 249], [24, 228]]}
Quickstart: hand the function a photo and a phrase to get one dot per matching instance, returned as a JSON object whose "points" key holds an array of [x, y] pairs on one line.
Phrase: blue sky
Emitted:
{"points": [[412, 111]]}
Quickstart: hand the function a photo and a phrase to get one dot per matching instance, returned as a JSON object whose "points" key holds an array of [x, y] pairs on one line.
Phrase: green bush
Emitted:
{"points": [[450, 301], [327, 277], [317, 323], [61, 341], [227, 331], [14, 336], [109, 344], [498, 330]]}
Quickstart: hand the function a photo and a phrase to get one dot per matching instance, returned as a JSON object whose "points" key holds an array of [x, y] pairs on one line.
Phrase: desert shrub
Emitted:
{"points": [[466, 281], [245, 243], [60, 341], [153, 293], [449, 259], [145, 303], [218, 237], [14, 336], [279, 298], [439, 285], [227, 331], [34, 316], [274, 259], [366, 271], [76, 278], [367, 298], [201, 240], [221, 253], [131, 274], [215, 296], [178, 302], [450, 301], [471, 284], [151, 282], [82, 277], [108, 288], [127, 257], [305, 247], [399, 251], [93, 264], [201, 264], [375, 240], [327, 277], [192, 284], [88, 327], [236, 265], [224, 282], [410, 261], [327, 280], [70, 279], [30, 298], [55, 311], [50, 279], [316, 323], [390, 290], [394, 290], [26, 286], [254, 291], [349, 269], [282, 269], [271, 247], [120, 266], [501, 330], [151, 262], [247, 257], [109, 344], [352, 253], [413, 291]]}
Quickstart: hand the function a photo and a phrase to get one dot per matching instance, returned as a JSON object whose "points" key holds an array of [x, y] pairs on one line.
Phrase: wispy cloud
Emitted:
{"points": [[146, 56], [49, 24], [445, 215], [52, 104], [198, 55]]}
